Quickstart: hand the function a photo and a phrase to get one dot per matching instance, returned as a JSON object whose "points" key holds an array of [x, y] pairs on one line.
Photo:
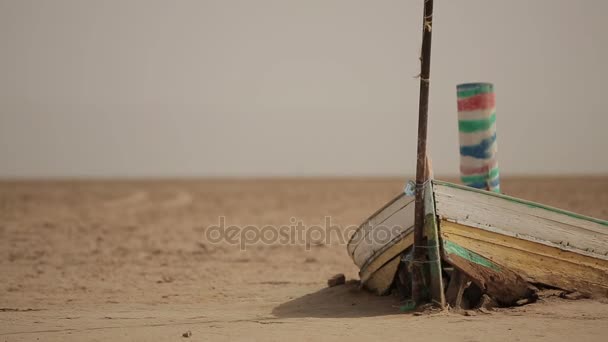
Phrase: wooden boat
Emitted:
{"points": [[505, 245]]}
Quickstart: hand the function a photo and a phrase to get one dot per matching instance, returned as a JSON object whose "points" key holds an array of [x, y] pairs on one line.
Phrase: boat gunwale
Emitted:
{"points": [[372, 257], [395, 199], [388, 204], [524, 202]]}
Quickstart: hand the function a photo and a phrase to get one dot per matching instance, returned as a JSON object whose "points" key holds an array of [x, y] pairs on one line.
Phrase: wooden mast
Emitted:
{"points": [[422, 174]]}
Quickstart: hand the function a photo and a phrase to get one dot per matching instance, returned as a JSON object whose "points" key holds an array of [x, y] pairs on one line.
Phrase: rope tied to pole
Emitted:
{"points": [[428, 22]]}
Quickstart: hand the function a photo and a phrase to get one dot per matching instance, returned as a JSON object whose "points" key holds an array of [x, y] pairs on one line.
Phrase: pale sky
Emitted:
{"points": [[146, 88]]}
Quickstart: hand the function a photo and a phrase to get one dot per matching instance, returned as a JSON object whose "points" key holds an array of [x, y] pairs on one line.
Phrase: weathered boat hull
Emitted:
{"points": [[534, 263], [541, 244], [503, 244], [376, 246]]}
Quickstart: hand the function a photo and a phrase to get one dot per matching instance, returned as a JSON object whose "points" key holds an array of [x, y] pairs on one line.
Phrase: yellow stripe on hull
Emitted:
{"points": [[537, 263]]}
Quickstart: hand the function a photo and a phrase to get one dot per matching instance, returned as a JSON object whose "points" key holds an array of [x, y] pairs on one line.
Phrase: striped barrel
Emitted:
{"points": [[477, 135]]}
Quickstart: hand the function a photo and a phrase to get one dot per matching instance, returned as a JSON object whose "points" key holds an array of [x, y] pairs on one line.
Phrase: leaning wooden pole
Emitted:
{"points": [[419, 294]]}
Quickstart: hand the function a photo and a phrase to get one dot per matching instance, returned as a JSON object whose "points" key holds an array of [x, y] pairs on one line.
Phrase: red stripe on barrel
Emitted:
{"points": [[477, 102], [491, 163]]}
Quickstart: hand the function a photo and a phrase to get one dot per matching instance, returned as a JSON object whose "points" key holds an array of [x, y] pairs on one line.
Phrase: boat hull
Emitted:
{"points": [[503, 244], [533, 262]]}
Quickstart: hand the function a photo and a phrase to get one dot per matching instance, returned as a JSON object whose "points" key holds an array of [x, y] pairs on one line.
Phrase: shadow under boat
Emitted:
{"points": [[341, 301]]}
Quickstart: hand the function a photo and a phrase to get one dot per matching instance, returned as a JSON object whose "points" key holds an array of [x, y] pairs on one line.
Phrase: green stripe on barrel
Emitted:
{"points": [[472, 89], [470, 126]]}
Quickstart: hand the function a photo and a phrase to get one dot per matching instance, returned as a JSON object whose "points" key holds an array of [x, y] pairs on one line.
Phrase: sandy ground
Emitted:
{"points": [[116, 260]]}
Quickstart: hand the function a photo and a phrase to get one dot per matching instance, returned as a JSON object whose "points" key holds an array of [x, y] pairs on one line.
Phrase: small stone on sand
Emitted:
{"points": [[336, 280], [187, 334]]}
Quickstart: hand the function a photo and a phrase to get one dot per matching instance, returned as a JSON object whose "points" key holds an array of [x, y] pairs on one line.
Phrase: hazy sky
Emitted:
{"points": [[293, 87]]}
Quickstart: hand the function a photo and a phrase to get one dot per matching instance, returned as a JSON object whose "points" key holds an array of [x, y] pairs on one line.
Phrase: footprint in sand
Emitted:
{"points": [[131, 199], [180, 199]]}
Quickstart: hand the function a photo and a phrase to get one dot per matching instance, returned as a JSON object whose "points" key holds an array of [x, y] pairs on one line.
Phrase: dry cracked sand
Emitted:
{"points": [[132, 261]]}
